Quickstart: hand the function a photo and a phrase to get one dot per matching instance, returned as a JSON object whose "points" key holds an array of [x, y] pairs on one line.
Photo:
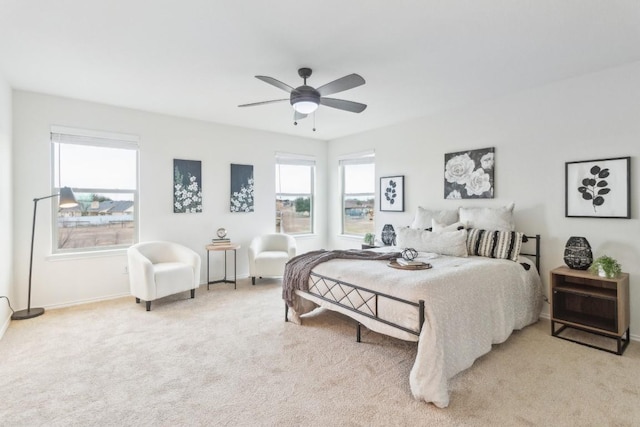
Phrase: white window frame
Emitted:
{"points": [[366, 157], [68, 135], [300, 160]]}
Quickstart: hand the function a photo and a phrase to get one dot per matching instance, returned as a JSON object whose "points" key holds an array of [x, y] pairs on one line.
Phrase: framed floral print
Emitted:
{"points": [[187, 186], [469, 174], [392, 193], [241, 188], [598, 188]]}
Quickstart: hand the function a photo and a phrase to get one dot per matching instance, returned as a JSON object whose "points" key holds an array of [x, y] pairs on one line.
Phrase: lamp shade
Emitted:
{"points": [[67, 198]]}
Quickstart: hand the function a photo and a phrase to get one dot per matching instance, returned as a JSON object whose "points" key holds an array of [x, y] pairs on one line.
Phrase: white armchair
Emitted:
{"points": [[268, 254], [159, 269]]}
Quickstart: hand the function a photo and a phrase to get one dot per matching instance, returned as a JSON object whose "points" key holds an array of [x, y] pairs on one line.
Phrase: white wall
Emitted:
{"points": [[72, 280], [6, 188], [534, 133]]}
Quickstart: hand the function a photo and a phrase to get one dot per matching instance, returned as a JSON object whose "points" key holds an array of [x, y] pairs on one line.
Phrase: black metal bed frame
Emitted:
{"points": [[364, 301]]}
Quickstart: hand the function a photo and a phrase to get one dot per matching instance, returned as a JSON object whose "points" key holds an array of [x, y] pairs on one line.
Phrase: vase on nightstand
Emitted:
{"points": [[577, 253], [388, 235]]}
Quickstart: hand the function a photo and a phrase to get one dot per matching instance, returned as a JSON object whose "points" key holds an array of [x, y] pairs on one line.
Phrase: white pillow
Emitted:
{"points": [[453, 243], [489, 218], [436, 227], [424, 217]]}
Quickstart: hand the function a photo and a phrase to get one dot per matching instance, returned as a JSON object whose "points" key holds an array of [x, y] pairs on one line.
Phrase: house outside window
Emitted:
{"points": [[295, 185], [102, 170], [358, 194]]}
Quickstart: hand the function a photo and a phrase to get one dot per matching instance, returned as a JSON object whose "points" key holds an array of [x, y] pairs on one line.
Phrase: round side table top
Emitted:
{"points": [[229, 247]]}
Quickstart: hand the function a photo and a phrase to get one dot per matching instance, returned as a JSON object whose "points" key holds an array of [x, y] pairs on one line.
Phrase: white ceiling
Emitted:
{"points": [[197, 58]]}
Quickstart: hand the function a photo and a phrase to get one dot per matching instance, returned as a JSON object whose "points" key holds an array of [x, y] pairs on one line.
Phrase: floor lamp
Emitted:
{"points": [[67, 200]]}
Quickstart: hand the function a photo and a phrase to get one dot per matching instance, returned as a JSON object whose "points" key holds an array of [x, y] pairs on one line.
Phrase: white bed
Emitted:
{"points": [[470, 303]]}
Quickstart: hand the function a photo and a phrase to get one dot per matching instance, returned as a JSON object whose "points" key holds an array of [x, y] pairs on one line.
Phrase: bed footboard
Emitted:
{"points": [[358, 300]]}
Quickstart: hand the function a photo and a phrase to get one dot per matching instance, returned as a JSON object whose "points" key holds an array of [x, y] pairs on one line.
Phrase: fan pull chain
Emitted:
{"points": [[314, 121]]}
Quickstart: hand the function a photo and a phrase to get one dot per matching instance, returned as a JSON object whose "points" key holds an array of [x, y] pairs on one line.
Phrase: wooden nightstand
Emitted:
{"points": [[590, 303]]}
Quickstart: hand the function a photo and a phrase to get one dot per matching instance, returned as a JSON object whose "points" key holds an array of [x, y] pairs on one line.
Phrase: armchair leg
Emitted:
{"points": [[148, 305], [253, 280], [137, 300], [193, 293]]}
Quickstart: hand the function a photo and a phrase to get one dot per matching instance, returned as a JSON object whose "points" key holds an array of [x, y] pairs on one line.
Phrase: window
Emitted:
{"points": [[102, 171], [295, 176], [358, 194]]}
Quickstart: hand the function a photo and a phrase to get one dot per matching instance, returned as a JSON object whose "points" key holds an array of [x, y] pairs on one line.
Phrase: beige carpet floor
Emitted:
{"points": [[228, 358]]}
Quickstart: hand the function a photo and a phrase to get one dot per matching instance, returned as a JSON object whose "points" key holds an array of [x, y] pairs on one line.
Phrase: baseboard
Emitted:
{"points": [[5, 326], [86, 301]]}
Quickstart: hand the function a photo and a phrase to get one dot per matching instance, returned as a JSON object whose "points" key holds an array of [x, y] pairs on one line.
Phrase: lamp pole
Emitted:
{"points": [[67, 194]]}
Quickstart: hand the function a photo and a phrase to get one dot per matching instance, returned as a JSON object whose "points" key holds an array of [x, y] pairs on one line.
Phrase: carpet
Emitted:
{"points": [[228, 358]]}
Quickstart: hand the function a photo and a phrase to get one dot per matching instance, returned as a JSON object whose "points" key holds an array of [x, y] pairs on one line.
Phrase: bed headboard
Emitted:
{"points": [[536, 253]]}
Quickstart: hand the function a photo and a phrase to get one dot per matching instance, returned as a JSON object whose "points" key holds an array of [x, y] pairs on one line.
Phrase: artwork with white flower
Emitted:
{"points": [[392, 193], [187, 186], [241, 188], [469, 174]]}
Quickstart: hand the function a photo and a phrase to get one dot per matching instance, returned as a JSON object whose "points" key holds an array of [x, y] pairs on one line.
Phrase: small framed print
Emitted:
{"points": [[392, 193], [598, 188]]}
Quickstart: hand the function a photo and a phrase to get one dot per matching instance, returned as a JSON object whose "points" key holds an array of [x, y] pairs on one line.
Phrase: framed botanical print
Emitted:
{"points": [[598, 188], [241, 188], [392, 193]]}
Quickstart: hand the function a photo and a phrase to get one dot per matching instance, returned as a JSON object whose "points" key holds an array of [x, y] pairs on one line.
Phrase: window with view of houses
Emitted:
{"points": [[102, 171], [295, 176], [358, 194]]}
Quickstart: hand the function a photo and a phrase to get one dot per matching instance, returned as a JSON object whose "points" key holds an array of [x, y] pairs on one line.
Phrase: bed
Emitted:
{"points": [[455, 310]]}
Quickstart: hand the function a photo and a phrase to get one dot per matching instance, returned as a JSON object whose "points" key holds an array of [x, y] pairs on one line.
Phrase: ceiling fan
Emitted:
{"points": [[305, 99]]}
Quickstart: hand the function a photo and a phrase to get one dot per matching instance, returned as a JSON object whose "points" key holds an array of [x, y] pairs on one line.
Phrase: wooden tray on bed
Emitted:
{"points": [[423, 266]]}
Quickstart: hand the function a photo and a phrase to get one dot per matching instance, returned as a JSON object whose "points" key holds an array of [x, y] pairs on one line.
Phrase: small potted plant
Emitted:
{"points": [[369, 239], [605, 266]]}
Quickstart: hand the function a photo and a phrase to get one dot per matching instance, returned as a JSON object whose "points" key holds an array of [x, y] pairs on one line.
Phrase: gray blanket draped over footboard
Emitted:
{"points": [[298, 269]]}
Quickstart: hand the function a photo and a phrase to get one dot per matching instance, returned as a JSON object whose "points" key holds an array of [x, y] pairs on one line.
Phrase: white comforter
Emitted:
{"points": [[470, 304]]}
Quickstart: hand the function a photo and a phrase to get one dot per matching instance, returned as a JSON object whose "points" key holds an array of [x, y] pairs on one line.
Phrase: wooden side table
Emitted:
{"points": [[590, 303], [230, 247]]}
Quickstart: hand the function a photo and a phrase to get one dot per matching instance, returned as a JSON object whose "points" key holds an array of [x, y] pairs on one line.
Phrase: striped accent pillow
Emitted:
{"points": [[494, 243]]}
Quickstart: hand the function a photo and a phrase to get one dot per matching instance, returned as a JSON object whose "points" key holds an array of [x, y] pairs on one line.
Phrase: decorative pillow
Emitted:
{"points": [[488, 218], [437, 227], [494, 243], [453, 243], [424, 217]]}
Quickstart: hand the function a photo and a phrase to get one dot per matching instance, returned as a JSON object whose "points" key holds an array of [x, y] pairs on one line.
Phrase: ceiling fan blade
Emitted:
{"points": [[298, 116], [344, 83], [341, 104], [253, 104], [277, 83]]}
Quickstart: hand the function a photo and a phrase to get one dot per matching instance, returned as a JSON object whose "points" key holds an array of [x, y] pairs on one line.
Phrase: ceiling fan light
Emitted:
{"points": [[305, 107]]}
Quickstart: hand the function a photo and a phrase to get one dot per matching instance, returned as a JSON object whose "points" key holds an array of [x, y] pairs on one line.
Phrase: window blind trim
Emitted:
{"points": [[295, 159], [362, 157], [68, 135]]}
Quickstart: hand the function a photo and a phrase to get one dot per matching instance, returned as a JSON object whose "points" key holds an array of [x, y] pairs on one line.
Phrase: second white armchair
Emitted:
{"points": [[268, 255]]}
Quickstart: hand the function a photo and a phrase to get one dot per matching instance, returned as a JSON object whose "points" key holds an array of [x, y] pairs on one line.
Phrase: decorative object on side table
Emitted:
{"points": [[221, 233], [388, 235], [577, 253], [606, 266], [370, 239]]}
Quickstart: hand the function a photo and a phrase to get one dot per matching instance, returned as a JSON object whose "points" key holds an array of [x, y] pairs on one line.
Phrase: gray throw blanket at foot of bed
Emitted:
{"points": [[298, 269]]}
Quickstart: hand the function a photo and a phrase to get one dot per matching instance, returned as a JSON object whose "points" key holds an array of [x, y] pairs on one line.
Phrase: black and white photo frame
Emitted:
{"points": [[392, 193], [598, 188]]}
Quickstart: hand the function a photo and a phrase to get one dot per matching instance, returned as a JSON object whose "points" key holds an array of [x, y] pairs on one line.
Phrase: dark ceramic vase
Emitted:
{"points": [[577, 253], [388, 235]]}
